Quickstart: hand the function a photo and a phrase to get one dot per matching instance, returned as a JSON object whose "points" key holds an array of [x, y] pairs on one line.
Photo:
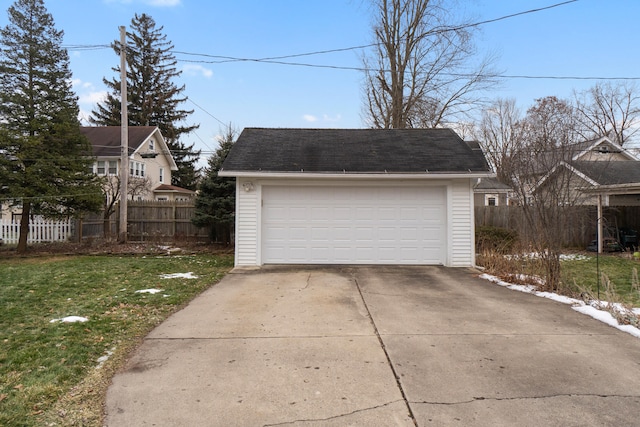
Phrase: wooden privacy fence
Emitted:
{"points": [[148, 221], [40, 231], [580, 222]]}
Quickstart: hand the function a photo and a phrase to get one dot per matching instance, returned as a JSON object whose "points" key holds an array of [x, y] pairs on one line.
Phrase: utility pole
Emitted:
{"points": [[124, 138]]}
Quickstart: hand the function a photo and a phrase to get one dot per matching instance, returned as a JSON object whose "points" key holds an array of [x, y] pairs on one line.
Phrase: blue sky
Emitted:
{"points": [[583, 38]]}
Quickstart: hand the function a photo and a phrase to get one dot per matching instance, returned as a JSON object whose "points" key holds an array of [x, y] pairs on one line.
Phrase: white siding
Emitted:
{"points": [[247, 219], [462, 242], [458, 227]]}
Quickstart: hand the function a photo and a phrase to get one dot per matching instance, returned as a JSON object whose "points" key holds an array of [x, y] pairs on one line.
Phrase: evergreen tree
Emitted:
{"points": [[44, 159], [153, 99], [216, 200]]}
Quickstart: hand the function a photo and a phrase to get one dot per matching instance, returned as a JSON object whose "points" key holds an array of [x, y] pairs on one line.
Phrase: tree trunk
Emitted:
{"points": [[24, 227]]}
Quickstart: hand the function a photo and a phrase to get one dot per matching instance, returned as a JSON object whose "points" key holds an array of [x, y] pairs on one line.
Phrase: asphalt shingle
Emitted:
{"points": [[354, 151]]}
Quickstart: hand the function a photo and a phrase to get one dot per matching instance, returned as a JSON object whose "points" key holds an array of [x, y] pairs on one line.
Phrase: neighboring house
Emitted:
{"points": [[491, 192], [150, 162], [597, 166], [354, 196]]}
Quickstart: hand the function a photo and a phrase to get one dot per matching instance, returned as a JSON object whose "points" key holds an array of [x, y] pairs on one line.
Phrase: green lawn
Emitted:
{"points": [[618, 268], [40, 361]]}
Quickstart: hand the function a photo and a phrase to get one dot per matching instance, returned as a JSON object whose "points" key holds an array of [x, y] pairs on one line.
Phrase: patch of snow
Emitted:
{"points": [[148, 291], [573, 257], [563, 257], [70, 319], [188, 275], [576, 304], [104, 358]]}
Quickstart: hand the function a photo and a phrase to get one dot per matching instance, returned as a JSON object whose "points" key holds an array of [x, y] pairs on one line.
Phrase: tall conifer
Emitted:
{"points": [[44, 159], [153, 99], [216, 200]]}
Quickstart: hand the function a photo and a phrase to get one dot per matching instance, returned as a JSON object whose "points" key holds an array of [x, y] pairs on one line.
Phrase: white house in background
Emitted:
{"points": [[354, 196], [149, 159]]}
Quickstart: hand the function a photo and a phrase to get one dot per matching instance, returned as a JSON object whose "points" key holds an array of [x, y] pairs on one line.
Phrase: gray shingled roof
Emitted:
{"points": [[610, 173], [354, 151], [105, 140], [491, 184]]}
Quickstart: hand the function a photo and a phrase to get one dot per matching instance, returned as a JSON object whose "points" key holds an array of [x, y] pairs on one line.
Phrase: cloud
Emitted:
{"points": [[193, 69], [324, 119], [327, 118], [92, 97]]}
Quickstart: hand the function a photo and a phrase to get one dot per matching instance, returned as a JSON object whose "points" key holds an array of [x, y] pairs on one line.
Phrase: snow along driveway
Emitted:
{"points": [[410, 346]]}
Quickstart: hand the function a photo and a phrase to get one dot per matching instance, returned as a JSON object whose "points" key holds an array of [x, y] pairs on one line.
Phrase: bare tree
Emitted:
{"points": [[136, 186], [544, 183], [419, 74], [501, 134], [609, 109]]}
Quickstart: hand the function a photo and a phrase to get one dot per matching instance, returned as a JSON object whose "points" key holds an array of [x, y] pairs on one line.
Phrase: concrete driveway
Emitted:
{"points": [[377, 346]]}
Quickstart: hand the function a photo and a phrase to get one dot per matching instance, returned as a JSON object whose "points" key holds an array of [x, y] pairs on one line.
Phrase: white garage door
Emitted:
{"points": [[353, 225]]}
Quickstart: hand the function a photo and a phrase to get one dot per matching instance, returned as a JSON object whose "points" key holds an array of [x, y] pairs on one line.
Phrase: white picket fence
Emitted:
{"points": [[40, 231]]}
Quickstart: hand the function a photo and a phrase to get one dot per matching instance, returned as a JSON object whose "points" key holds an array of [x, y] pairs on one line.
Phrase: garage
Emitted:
{"points": [[353, 225], [354, 196]]}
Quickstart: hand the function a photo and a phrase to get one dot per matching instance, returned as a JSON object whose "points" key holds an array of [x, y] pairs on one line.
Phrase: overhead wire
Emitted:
{"points": [[278, 60]]}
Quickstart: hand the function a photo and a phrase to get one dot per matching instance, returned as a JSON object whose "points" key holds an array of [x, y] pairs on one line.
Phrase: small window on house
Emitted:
{"points": [[152, 145], [161, 175], [131, 168], [137, 168], [101, 168], [142, 168], [491, 200], [162, 199], [113, 167]]}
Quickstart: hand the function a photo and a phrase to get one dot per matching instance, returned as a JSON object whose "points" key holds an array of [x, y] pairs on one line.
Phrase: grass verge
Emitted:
{"points": [[580, 273], [51, 373]]}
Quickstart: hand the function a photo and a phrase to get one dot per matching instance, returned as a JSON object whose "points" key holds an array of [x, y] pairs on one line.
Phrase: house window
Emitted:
{"points": [[100, 169], [152, 145], [142, 167], [491, 200], [161, 176], [162, 199], [113, 167]]}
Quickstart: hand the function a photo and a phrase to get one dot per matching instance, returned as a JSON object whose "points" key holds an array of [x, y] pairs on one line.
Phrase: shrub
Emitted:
{"points": [[495, 239]]}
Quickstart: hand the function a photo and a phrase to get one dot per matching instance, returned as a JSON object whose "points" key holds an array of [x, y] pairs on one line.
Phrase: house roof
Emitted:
{"points": [[165, 188], [609, 173], [105, 140], [491, 185], [353, 151]]}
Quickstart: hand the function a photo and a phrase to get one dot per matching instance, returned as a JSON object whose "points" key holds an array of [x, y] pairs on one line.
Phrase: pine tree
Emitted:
{"points": [[216, 201], [153, 99], [44, 159]]}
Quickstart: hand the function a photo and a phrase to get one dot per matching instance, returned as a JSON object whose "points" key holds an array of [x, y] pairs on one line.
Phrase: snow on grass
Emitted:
{"points": [[188, 275], [70, 319], [148, 291], [592, 309], [104, 358], [563, 257]]}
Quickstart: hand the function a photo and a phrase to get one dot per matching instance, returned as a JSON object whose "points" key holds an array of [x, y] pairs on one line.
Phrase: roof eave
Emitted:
{"points": [[353, 175], [626, 188]]}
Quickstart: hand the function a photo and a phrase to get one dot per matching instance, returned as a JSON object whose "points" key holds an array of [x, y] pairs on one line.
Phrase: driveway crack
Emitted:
{"points": [[335, 417], [386, 354], [550, 396]]}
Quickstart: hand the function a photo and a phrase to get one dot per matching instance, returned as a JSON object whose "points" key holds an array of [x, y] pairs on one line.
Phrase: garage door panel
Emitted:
{"points": [[354, 225]]}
